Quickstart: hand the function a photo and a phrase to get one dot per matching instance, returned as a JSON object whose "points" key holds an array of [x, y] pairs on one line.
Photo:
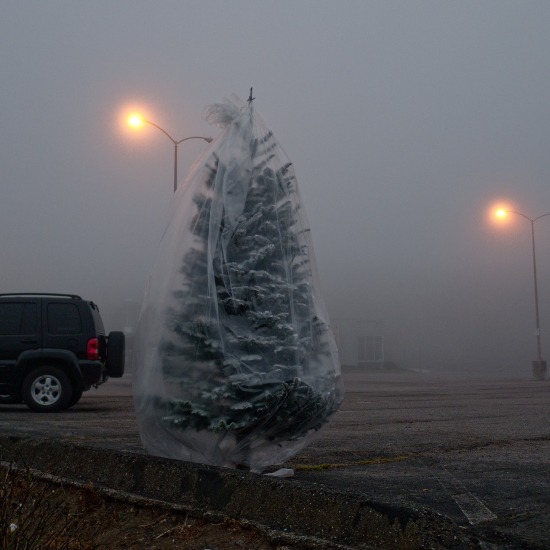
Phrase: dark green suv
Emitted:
{"points": [[53, 347]]}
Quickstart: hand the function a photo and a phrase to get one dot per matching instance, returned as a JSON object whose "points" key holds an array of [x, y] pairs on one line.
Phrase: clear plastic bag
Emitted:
{"points": [[235, 363]]}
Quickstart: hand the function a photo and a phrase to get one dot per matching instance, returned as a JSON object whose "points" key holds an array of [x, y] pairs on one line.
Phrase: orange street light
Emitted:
{"points": [[138, 121], [539, 364]]}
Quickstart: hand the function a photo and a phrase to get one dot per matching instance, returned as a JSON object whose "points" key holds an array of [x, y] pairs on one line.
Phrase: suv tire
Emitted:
{"points": [[115, 354], [47, 389]]}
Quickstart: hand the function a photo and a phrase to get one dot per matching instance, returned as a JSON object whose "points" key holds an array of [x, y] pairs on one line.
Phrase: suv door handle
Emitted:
{"points": [[28, 341]]}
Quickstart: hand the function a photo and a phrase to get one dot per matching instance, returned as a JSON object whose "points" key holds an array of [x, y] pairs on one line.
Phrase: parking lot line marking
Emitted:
{"points": [[473, 508]]}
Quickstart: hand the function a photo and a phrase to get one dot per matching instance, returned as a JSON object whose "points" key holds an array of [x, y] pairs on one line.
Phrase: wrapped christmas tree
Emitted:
{"points": [[235, 363]]}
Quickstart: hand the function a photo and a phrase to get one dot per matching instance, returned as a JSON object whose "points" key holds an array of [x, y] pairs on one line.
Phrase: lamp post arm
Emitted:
{"points": [[526, 217], [541, 216], [162, 130], [207, 139]]}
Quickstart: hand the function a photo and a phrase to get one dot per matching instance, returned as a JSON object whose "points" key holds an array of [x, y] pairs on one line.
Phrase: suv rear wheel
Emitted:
{"points": [[47, 389]]}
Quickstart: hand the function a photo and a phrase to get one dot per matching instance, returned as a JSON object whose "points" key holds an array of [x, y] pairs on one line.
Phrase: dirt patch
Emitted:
{"points": [[41, 515]]}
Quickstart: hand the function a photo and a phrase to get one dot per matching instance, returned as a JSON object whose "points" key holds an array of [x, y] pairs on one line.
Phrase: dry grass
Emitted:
{"points": [[330, 466], [43, 515]]}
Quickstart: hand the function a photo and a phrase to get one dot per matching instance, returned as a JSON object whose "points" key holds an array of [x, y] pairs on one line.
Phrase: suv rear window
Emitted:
{"points": [[64, 319], [97, 319], [17, 318]]}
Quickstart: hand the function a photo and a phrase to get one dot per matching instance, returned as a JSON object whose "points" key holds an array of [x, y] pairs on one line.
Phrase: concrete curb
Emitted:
{"points": [[310, 515]]}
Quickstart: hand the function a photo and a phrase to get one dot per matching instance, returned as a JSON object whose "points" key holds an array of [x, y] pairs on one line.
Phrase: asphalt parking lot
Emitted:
{"points": [[474, 450]]}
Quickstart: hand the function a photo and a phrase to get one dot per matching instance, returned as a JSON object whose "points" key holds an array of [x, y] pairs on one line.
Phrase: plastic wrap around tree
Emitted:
{"points": [[235, 363]]}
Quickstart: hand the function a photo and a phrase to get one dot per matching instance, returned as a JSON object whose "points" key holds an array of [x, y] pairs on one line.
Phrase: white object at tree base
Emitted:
{"points": [[235, 363], [282, 472]]}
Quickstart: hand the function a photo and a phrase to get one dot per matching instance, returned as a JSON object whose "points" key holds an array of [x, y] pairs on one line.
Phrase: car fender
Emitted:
{"points": [[64, 358]]}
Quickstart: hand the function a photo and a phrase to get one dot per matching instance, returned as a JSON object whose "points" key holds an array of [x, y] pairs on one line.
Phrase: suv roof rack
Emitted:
{"points": [[73, 296]]}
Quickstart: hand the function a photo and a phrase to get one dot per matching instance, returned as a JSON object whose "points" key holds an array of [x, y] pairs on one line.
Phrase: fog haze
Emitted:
{"points": [[406, 122]]}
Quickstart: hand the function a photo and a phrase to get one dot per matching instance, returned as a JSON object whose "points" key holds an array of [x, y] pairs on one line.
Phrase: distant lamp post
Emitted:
{"points": [[539, 364], [138, 121]]}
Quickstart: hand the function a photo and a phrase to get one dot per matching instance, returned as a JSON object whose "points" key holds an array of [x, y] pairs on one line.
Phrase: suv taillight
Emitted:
{"points": [[93, 349]]}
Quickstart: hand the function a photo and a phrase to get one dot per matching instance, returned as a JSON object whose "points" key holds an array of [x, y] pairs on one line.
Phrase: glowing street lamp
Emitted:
{"points": [[539, 364], [138, 121]]}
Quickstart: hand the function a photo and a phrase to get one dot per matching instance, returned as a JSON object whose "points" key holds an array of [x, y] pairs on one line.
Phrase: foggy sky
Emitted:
{"points": [[405, 121]]}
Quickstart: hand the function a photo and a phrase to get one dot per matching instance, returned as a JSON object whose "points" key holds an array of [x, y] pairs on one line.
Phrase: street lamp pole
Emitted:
{"points": [[137, 121], [539, 365]]}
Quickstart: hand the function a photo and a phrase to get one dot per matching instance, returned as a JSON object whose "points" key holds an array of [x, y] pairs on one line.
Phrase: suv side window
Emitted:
{"points": [[17, 318], [10, 318], [29, 319], [64, 319]]}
